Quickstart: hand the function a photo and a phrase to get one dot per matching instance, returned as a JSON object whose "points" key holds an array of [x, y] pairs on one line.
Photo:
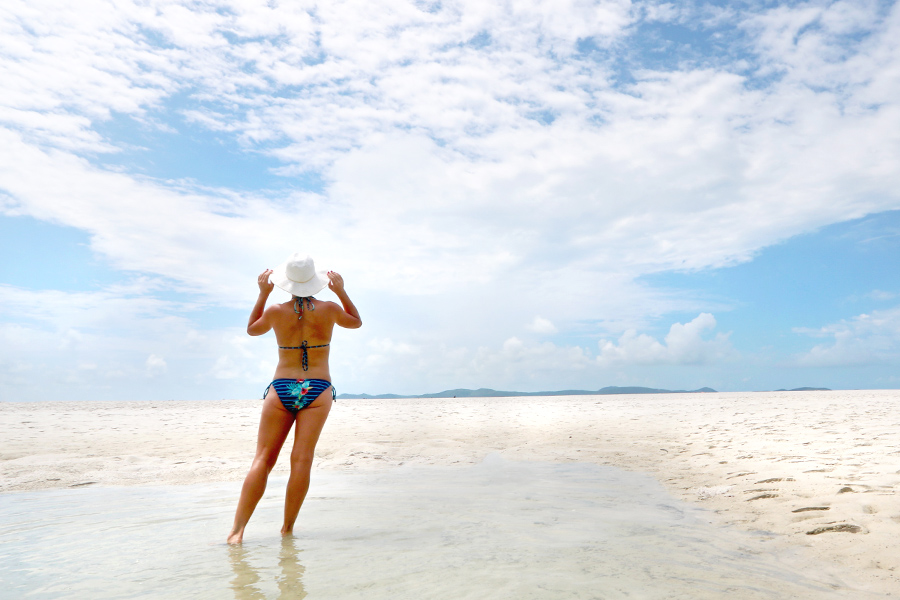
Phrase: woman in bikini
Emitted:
{"points": [[301, 391]]}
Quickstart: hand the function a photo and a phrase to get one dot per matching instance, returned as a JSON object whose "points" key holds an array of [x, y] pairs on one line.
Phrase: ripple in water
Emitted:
{"points": [[496, 530]]}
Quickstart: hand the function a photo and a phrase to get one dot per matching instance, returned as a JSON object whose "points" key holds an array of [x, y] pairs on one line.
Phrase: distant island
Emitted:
{"points": [[488, 393], [806, 389]]}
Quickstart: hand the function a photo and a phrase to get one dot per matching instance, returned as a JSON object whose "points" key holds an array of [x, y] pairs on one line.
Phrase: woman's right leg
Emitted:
{"points": [[274, 426], [310, 422]]}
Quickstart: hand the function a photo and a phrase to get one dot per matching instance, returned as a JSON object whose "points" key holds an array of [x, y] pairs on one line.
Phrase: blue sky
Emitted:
{"points": [[534, 196]]}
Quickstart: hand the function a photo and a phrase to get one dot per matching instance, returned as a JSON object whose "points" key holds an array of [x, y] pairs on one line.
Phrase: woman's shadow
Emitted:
{"points": [[247, 577]]}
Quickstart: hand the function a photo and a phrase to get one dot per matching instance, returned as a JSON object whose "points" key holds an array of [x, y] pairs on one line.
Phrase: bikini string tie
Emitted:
{"points": [[304, 360], [298, 305]]}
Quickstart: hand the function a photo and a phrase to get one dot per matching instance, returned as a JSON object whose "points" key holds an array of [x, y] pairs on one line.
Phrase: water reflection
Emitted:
{"points": [[290, 584], [516, 530], [248, 584]]}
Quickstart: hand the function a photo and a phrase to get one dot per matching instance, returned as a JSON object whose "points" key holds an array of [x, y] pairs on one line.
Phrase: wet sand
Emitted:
{"points": [[819, 470]]}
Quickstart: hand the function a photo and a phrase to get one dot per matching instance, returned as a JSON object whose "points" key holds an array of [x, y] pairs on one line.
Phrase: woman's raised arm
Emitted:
{"points": [[349, 317], [258, 324]]}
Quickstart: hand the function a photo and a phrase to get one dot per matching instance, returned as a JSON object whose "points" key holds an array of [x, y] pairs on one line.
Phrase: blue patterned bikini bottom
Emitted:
{"points": [[297, 394]]}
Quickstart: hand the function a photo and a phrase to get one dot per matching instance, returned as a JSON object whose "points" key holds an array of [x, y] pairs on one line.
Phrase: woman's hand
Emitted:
{"points": [[265, 286], [335, 282]]}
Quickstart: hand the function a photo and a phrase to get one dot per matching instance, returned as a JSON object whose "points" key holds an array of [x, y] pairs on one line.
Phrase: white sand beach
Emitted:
{"points": [[819, 470]]}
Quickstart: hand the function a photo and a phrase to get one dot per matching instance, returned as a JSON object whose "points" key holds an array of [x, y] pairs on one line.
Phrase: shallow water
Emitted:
{"points": [[496, 530]]}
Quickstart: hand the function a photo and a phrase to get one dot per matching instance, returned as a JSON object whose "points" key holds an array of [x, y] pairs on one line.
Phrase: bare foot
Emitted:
{"points": [[287, 532], [235, 537]]}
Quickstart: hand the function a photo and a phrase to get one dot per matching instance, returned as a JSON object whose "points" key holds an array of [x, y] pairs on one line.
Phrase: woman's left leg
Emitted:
{"points": [[310, 422]]}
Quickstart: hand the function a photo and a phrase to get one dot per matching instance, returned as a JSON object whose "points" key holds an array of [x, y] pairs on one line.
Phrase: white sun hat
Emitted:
{"points": [[298, 276]]}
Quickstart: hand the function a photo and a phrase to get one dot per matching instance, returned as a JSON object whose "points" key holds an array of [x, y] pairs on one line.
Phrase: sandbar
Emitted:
{"points": [[818, 471]]}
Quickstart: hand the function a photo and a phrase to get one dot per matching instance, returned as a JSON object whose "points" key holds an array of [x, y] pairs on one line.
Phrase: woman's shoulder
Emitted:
{"points": [[326, 306], [281, 312], [280, 307], [328, 303]]}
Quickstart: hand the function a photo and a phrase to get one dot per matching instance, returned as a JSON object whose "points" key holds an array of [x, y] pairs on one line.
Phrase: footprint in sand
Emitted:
{"points": [[841, 528], [762, 496]]}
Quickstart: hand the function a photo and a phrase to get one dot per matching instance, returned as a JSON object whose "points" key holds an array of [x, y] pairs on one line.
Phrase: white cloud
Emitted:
{"points": [[542, 325], [683, 345], [545, 356], [469, 150], [430, 364], [96, 345], [882, 295], [866, 339], [409, 367], [419, 132], [156, 365]]}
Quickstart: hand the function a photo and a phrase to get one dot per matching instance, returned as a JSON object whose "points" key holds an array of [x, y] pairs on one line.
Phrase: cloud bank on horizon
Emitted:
{"points": [[538, 195]]}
